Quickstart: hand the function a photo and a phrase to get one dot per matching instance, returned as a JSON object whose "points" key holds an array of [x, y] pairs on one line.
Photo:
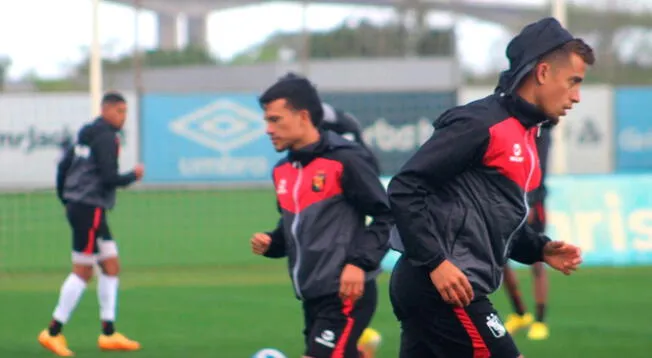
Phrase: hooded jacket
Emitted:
{"points": [[523, 52], [463, 196], [88, 172]]}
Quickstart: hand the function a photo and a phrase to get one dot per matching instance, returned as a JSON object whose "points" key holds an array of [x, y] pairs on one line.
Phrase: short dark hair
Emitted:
{"points": [[113, 98], [299, 93], [576, 46]]}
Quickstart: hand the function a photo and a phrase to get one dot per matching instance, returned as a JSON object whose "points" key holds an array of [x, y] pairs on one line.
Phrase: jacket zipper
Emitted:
{"points": [[294, 228], [525, 191]]}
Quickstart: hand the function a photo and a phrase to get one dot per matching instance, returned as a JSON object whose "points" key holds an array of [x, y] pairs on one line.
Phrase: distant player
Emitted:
{"points": [[325, 188], [537, 220], [346, 125], [87, 179]]}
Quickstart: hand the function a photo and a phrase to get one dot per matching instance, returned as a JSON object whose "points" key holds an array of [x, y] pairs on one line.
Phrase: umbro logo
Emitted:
{"points": [[222, 125]]}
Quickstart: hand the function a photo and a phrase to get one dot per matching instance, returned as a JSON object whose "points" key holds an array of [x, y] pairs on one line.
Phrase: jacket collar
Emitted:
{"points": [[526, 113], [100, 121], [306, 154]]}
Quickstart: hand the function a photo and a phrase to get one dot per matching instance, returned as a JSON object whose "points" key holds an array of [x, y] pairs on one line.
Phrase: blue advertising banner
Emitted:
{"points": [[394, 124], [609, 217], [205, 138], [221, 137], [633, 129]]}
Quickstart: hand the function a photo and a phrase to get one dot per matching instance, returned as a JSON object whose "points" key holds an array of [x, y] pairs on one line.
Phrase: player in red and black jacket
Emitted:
{"points": [[325, 188], [461, 202]]}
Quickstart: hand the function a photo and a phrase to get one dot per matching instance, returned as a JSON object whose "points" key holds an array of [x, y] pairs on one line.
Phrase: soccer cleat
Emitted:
{"points": [[517, 322], [538, 331], [117, 342], [56, 344], [369, 342]]}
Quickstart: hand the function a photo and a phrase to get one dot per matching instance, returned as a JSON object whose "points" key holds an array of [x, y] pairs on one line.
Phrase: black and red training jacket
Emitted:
{"points": [[324, 194], [463, 196]]}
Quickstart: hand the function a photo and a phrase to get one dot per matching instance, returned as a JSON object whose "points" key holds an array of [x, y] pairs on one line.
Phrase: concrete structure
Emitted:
{"points": [[589, 18], [197, 30], [167, 31], [342, 75]]}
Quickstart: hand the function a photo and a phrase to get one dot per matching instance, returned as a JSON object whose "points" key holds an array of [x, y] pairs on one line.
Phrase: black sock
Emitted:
{"points": [[517, 304], [107, 328], [55, 327], [541, 311]]}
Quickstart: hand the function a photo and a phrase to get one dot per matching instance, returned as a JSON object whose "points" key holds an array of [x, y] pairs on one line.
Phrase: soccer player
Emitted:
{"points": [[346, 125], [460, 202], [325, 188], [537, 219], [342, 123], [87, 179], [65, 144]]}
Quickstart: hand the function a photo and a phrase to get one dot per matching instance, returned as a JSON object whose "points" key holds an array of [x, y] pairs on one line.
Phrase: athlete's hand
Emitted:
{"points": [[452, 284], [562, 256], [351, 283], [139, 170], [260, 243]]}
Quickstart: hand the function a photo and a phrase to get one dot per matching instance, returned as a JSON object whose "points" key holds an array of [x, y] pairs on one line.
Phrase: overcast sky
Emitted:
{"points": [[48, 36]]}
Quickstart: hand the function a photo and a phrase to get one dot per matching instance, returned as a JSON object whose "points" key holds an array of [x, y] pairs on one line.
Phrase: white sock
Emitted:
{"points": [[107, 296], [71, 291]]}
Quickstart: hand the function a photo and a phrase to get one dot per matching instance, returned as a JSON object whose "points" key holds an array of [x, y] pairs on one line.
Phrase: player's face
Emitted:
{"points": [[559, 86], [115, 114], [286, 127]]}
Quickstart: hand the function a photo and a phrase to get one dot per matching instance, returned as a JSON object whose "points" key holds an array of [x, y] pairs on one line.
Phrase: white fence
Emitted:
{"points": [[32, 127]]}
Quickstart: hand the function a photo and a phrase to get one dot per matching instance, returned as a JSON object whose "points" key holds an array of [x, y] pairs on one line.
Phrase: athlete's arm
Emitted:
{"points": [[62, 171], [105, 150], [528, 246], [277, 246], [363, 189], [449, 151]]}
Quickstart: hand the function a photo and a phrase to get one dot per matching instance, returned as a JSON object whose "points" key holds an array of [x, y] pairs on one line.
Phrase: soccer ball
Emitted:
{"points": [[269, 353], [370, 338]]}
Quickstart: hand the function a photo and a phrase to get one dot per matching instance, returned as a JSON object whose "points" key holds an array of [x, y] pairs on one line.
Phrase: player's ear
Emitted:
{"points": [[542, 73], [305, 116]]}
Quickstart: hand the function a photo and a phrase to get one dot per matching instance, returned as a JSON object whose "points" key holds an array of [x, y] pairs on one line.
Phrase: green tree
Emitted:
{"points": [[54, 85], [5, 63], [364, 40], [155, 58]]}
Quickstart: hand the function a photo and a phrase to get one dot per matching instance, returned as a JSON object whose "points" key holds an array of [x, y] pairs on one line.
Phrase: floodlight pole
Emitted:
{"points": [[95, 61]]}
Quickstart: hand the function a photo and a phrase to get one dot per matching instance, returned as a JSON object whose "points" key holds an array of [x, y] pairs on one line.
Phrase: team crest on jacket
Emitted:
{"points": [[318, 181]]}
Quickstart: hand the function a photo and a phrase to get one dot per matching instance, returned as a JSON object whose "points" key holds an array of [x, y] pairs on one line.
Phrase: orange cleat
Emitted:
{"points": [[117, 342], [56, 344]]}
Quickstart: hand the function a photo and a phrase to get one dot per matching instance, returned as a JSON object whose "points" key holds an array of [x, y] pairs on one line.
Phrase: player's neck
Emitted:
{"points": [[311, 137], [526, 92]]}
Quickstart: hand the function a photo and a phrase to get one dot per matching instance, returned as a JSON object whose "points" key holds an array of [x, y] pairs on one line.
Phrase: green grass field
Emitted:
{"points": [[191, 288]]}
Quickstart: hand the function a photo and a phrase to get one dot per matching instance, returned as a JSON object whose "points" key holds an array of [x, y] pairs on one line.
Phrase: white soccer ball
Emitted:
{"points": [[269, 353]]}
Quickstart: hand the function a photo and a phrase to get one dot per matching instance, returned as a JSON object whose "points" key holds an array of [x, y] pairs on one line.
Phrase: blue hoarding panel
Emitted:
{"points": [[608, 216], [633, 129], [205, 138]]}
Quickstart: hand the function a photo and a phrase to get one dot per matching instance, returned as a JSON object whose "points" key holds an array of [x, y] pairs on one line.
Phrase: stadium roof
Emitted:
{"points": [[511, 15]]}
